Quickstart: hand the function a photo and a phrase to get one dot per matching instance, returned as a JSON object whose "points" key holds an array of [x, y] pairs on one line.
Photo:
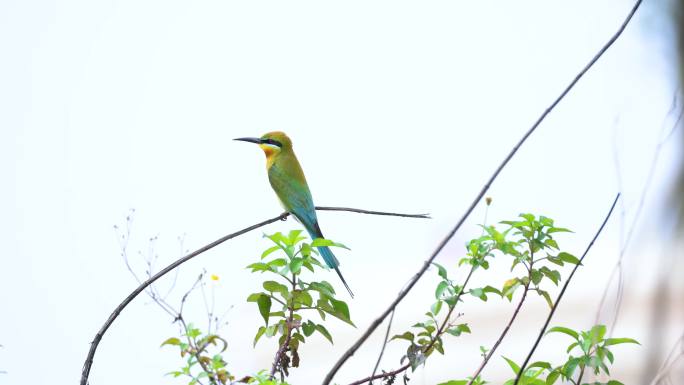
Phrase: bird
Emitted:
{"points": [[287, 180]]}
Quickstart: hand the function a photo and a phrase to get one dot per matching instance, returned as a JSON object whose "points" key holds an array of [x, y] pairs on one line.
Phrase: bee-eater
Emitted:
{"points": [[288, 181]]}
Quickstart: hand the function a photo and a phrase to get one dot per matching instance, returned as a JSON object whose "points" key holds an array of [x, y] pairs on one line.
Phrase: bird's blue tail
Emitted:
{"points": [[333, 263]]}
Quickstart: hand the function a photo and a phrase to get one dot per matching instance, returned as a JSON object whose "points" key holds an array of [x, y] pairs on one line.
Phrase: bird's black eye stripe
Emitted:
{"points": [[272, 141]]}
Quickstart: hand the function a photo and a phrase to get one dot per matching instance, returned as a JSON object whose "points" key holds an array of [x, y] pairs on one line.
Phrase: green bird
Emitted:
{"points": [[288, 181]]}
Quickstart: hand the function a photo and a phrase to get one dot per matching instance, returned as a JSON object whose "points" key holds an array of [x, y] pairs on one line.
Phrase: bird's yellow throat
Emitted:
{"points": [[270, 154]]}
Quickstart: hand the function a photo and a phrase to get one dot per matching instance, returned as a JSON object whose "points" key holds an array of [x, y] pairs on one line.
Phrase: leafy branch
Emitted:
{"points": [[565, 286], [87, 365]]}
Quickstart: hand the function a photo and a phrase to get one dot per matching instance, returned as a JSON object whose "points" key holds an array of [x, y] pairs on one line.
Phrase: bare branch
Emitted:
{"points": [[384, 345], [433, 341], [670, 361], [115, 314], [504, 332], [350, 352], [565, 286], [359, 211]]}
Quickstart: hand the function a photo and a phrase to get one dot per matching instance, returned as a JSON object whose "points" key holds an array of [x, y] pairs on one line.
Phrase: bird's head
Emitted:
{"points": [[272, 143]]}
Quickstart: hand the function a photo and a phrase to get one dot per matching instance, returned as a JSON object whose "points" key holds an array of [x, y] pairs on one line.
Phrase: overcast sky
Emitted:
{"points": [[107, 106]]}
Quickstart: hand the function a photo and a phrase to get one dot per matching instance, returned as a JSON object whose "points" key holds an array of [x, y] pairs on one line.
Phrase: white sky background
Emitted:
{"points": [[397, 106]]}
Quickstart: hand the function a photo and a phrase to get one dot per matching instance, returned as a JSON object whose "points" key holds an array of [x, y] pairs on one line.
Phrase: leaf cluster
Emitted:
{"points": [[282, 302], [196, 348], [593, 354]]}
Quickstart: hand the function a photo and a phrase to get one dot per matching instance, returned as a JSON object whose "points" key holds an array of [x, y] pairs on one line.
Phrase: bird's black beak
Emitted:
{"points": [[251, 140]]}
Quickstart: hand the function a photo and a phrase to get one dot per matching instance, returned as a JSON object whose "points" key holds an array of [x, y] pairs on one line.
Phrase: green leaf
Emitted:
{"points": [[264, 303], [490, 289], [513, 365], [269, 251], [308, 328], [341, 307], [569, 258], [306, 249], [479, 293], [277, 262], [441, 287], [260, 333], [436, 307], [441, 270], [322, 287], [321, 329], [454, 382], [275, 287], [321, 242], [296, 265], [552, 377], [564, 330], [293, 237], [597, 332], [254, 297], [192, 331], [540, 364], [536, 276], [553, 275], [408, 336], [616, 341], [458, 330], [171, 341], [558, 230], [551, 243], [258, 266], [570, 366], [546, 296], [415, 356], [555, 260], [510, 287]]}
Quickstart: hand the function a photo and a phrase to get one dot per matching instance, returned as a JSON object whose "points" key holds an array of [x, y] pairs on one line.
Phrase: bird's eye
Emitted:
{"points": [[272, 142]]}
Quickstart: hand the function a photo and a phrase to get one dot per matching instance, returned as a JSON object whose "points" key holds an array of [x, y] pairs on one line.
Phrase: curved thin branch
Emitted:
{"points": [[384, 345], [98, 337], [503, 333], [350, 352], [432, 343], [560, 295]]}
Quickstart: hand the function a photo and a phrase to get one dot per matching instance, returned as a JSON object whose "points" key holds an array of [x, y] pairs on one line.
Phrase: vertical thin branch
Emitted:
{"points": [[433, 341], [560, 295], [282, 350], [505, 331], [384, 345]]}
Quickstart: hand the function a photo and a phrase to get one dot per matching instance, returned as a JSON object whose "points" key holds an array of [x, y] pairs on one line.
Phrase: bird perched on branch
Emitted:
{"points": [[288, 182]]}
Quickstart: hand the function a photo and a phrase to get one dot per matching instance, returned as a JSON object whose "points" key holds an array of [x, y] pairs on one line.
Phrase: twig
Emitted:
{"points": [[560, 295], [670, 360], [112, 317], [277, 361], [384, 345], [617, 269], [360, 211], [504, 332], [432, 343], [350, 352]]}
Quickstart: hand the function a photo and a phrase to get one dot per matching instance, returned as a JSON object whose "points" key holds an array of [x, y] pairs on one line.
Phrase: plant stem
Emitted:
{"points": [[565, 286], [282, 350], [432, 343], [196, 353], [504, 332]]}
